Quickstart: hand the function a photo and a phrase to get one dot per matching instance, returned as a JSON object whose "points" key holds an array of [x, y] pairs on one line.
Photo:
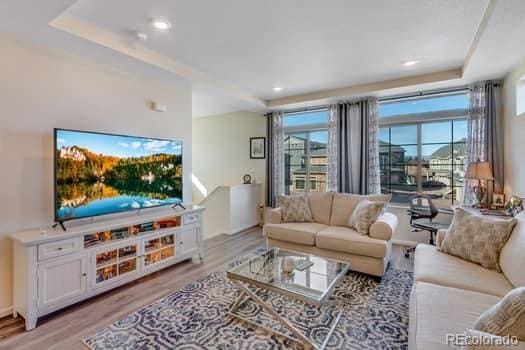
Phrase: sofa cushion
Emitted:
{"points": [[487, 341], [295, 209], [343, 206], [477, 239], [440, 236], [346, 240], [512, 257], [274, 216], [436, 311], [507, 317], [321, 206], [297, 232], [432, 266]]}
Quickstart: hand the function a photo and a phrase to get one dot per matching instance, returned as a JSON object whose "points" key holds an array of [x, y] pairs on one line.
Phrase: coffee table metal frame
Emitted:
{"points": [[247, 294]]}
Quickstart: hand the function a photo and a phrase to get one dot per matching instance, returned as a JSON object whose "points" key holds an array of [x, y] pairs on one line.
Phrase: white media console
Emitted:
{"points": [[55, 269]]}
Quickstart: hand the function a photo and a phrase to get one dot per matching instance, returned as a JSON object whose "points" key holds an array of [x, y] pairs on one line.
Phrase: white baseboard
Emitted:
{"points": [[405, 243], [242, 229], [6, 312], [230, 233], [214, 234]]}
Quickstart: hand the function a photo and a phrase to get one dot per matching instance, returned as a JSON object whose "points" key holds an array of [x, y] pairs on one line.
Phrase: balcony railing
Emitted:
{"points": [[300, 186]]}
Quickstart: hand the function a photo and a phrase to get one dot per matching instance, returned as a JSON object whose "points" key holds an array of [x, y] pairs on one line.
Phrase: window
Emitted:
{"points": [[520, 97], [412, 106], [299, 183], [422, 148], [305, 144], [313, 183]]}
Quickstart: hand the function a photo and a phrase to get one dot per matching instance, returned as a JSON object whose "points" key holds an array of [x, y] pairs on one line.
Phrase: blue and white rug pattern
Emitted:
{"points": [[195, 318]]}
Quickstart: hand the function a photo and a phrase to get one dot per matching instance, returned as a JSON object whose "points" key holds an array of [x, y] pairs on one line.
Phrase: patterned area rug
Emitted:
{"points": [[195, 317]]}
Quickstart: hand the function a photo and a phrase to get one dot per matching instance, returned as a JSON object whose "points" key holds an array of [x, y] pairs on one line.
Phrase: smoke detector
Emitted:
{"points": [[141, 36]]}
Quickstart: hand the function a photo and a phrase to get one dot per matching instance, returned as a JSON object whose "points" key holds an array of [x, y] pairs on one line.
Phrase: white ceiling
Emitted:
{"points": [[239, 49], [302, 45]]}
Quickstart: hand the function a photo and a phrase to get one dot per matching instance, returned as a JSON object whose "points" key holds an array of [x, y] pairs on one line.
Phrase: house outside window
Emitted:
{"points": [[300, 183], [422, 145], [305, 147]]}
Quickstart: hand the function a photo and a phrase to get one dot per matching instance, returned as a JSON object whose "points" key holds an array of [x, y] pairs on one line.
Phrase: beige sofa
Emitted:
{"points": [[449, 294], [328, 235]]}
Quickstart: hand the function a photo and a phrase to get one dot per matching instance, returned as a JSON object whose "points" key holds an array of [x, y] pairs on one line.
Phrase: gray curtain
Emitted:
{"points": [[332, 158], [485, 134], [494, 133], [275, 157], [358, 149]]}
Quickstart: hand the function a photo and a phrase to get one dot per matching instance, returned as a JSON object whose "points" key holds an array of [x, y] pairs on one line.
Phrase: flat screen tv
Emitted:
{"points": [[97, 174]]}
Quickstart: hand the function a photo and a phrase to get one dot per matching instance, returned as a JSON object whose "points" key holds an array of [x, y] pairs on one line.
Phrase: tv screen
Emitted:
{"points": [[97, 174]]}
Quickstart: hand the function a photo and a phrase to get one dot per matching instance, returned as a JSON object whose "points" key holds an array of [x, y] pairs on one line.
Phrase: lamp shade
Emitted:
{"points": [[479, 171]]}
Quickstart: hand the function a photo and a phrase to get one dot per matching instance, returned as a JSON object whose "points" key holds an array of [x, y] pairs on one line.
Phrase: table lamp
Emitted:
{"points": [[480, 171]]}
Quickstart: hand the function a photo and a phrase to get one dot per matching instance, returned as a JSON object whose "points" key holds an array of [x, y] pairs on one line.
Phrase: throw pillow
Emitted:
{"points": [[477, 239], [507, 317], [365, 214], [295, 209], [485, 341], [344, 204]]}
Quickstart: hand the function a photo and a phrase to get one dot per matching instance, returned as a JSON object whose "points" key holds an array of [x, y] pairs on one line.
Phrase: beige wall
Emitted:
{"points": [[514, 136], [221, 150], [40, 90]]}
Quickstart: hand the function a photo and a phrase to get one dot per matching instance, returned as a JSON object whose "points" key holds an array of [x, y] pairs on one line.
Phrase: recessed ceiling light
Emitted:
{"points": [[161, 25], [410, 63], [277, 88]]}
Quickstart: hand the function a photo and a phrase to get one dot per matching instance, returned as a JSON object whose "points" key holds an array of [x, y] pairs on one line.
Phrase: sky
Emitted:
{"points": [[440, 103], [118, 146], [314, 117]]}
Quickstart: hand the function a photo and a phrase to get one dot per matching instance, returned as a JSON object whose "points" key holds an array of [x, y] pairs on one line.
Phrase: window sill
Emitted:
{"points": [[407, 206], [398, 206]]}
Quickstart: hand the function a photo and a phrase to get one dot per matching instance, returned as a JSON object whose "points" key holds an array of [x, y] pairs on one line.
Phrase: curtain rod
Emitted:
{"points": [[389, 98], [424, 93], [306, 109]]}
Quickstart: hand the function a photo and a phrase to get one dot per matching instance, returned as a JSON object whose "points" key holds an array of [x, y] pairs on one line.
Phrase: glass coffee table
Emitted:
{"points": [[312, 281]]}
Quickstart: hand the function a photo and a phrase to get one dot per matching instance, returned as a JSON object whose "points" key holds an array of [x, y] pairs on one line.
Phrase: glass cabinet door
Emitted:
{"points": [[115, 262], [127, 257], [152, 245], [159, 249]]}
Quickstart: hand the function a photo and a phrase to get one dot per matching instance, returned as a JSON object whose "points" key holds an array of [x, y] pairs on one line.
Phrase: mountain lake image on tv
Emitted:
{"points": [[97, 174]]}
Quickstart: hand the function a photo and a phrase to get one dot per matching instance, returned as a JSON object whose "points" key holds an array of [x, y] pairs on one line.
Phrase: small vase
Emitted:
{"points": [[288, 265]]}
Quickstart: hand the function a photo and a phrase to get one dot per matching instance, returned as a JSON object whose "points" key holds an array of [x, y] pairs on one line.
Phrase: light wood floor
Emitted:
{"points": [[66, 328]]}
